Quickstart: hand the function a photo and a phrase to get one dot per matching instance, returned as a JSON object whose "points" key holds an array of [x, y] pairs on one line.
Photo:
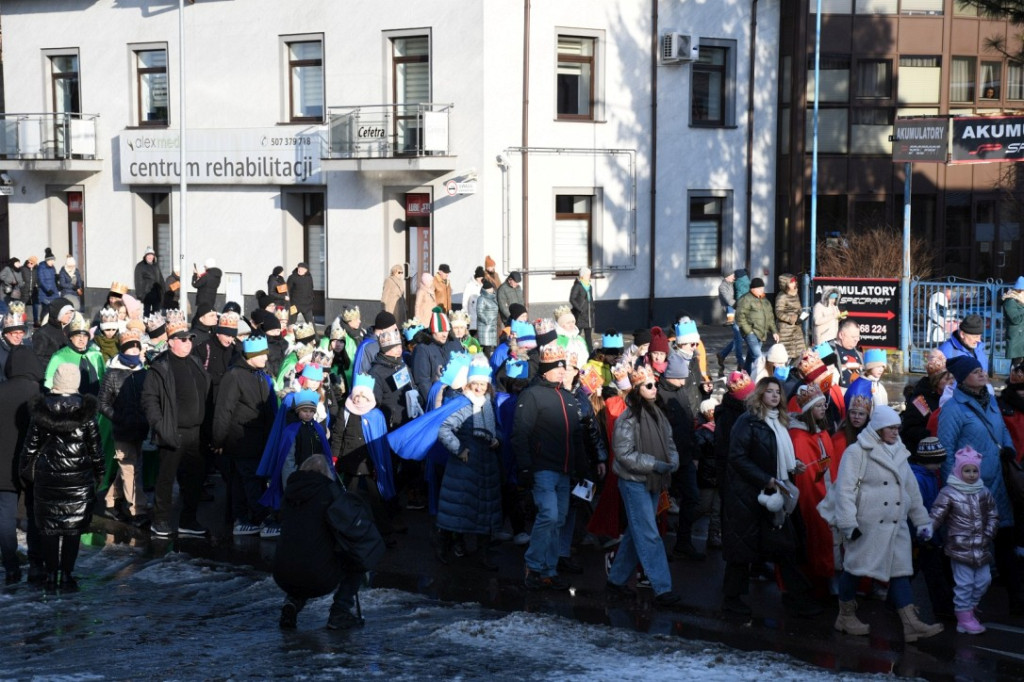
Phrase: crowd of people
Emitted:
{"points": [[511, 427]]}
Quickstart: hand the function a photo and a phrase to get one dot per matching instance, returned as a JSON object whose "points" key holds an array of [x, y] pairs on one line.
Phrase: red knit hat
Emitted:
{"points": [[659, 342]]}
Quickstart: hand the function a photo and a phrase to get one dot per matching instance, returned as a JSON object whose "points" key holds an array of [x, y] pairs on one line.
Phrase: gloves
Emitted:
{"points": [[662, 467], [924, 533], [525, 479], [850, 534], [464, 455]]}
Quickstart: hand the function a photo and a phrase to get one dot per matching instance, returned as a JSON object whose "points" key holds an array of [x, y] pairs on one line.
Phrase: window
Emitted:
{"points": [[831, 7], [870, 130], [410, 63], [833, 136], [708, 224], [991, 80], [874, 6], [962, 9], [575, 78], [707, 106], [712, 86], [64, 72], [961, 80], [306, 80], [572, 232], [919, 79], [151, 85], [160, 203], [874, 79], [921, 6], [1014, 81], [835, 78], [314, 246]]}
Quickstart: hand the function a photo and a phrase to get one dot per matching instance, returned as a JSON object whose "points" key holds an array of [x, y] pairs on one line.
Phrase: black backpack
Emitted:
{"points": [[357, 535]]}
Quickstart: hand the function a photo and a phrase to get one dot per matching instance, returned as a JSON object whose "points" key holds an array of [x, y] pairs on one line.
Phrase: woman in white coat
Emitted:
{"points": [[876, 494]]}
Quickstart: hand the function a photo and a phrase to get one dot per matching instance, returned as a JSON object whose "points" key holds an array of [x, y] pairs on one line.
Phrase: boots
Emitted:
{"points": [[847, 620], [913, 628], [967, 623]]}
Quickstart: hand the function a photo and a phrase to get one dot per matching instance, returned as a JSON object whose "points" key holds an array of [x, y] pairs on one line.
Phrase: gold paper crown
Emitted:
{"points": [[349, 314], [542, 325], [322, 356], [459, 318], [176, 322], [561, 311], [118, 288], [128, 335], [641, 375], [740, 384], [337, 333], [552, 352], [78, 325], [303, 330], [228, 320], [810, 365], [390, 338], [620, 370], [17, 308], [807, 396], [862, 401]]}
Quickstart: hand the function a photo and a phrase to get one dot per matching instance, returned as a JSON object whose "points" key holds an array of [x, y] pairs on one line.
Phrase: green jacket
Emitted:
{"points": [[91, 362], [1013, 316], [755, 316]]}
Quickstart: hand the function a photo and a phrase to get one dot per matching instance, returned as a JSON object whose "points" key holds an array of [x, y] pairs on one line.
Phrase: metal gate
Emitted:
{"points": [[937, 307]]}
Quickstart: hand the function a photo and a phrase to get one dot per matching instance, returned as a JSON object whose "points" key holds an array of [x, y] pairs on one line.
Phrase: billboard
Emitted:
{"points": [[874, 304], [988, 139], [920, 139]]}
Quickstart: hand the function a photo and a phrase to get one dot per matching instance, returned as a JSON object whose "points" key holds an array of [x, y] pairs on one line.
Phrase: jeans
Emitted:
{"points": [[971, 585], [641, 541], [187, 461], [900, 592], [736, 344], [246, 490], [566, 532], [754, 352], [9, 530], [551, 495]]}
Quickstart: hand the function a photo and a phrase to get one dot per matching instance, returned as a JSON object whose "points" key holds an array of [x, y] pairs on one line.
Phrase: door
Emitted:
{"points": [[419, 253], [410, 80], [315, 246], [66, 101], [997, 240]]}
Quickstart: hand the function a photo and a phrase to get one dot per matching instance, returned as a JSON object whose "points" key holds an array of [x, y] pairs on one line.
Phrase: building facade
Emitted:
{"points": [[356, 136], [882, 59]]}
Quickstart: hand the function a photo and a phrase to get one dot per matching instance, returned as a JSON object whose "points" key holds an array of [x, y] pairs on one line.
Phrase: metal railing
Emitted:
{"points": [[380, 131], [48, 136]]}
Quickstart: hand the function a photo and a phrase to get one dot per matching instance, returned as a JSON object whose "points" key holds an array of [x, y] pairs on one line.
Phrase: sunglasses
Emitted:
{"points": [[648, 385]]}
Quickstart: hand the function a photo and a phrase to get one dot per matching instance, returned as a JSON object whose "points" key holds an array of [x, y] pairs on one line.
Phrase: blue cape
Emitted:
{"points": [[357, 361], [275, 489], [499, 356], [375, 429], [505, 413]]}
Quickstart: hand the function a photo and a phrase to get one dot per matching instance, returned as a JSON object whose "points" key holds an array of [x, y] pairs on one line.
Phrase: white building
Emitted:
{"points": [[358, 135]]}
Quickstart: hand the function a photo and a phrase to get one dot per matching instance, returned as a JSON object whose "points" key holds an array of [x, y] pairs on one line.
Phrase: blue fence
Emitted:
{"points": [[936, 308]]}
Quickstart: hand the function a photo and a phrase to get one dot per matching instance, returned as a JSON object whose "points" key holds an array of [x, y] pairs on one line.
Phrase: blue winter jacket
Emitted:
{"points": [[953, 347], [47, 283], [963, 421]]}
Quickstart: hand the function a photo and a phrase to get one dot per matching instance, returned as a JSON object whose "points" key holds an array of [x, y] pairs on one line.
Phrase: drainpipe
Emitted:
{"points": [[750, 131], [654, 161], [525, 144]]}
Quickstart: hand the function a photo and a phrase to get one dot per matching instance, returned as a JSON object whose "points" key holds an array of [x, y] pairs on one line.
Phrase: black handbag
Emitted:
{"points": [[776, 541]]}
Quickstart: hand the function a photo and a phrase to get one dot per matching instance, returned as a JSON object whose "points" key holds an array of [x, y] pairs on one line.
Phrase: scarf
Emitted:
{"points": [[585, 283], [477, 400], [966, 488], [786, 457], [129, 360], [982, 396], [358, 410], [651, 440]]}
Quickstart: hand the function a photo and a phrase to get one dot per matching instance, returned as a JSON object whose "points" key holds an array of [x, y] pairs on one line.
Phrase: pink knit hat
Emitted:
{"points": [[964, 456]]}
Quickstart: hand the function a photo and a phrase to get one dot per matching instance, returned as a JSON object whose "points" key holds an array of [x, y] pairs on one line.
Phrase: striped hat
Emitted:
{"points": [[929, 451], [439, 322], [526, 338]]}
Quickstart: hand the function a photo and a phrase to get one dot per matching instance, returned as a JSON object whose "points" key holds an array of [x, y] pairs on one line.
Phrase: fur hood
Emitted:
{"points": [[62, 413]]}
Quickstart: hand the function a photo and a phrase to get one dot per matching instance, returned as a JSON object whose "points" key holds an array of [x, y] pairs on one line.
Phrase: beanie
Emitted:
{"points": [[929, 451], [66, 379], [972, 324], [516, 310], [384, 320], [961, 366], [641, 337], [659, 342], [439, 322], [677, 367], [964, 456], [882, 417], [487, 286], [757, 283]]}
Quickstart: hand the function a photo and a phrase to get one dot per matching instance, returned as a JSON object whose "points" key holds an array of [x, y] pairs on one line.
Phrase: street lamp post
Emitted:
{"points": [[182, 170]]}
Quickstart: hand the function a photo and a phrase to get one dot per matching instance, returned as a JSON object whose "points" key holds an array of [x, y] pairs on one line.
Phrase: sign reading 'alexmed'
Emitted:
{"points": [[874, 304], [240, 156]]}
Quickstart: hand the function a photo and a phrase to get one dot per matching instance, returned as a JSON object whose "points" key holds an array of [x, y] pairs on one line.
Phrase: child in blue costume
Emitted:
{"points": [[300, 438]]}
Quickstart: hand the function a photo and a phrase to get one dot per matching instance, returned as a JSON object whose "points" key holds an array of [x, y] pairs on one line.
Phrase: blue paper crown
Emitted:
{"points": [[306, 397], [254, 344], [363, 381], [611, 341], [522, 330], [479, 371], [516, 369], [457, 363], [313, 371], [874, 355], [687, 328], [410, 332]]}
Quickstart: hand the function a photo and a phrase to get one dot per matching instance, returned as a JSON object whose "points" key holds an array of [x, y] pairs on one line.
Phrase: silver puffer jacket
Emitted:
{"points": [[971, 523], [630, 464]]}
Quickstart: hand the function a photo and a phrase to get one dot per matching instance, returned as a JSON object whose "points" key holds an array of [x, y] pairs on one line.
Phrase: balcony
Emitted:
{"points": [[49, 142], [389, 137]]}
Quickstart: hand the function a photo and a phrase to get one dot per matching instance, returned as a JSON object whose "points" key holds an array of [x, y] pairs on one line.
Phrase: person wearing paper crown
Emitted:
{"points": [[645, 457], [470, 499], [120, 402], [451, 382], [569, 336], [602, 358], [243, 416], [392, 379], [304, 342], [361, 454], [80, 351], [12, 335], [858, 405], [548, 441], [810, 369], [105, 333], [430, 355]]}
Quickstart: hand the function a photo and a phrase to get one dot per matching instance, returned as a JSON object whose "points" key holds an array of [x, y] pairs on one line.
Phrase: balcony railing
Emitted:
{"points": [[48, 136], [381, 131]]}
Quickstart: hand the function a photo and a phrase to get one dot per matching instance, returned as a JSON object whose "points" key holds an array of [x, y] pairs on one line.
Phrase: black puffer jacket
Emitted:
{"points": [[24, 384], [389, 395], [680, 416], [726, 415], [63, 459], [206, 285], [546, 432], [751, 465], [121, 400], [307, 562], [244, 411], [159, 399], [922, 401], [300, 289]]}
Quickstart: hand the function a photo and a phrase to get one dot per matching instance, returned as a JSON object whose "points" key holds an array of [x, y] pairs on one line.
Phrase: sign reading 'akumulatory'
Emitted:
{"points": [[988, 139], [239, 156], [920, 139]]}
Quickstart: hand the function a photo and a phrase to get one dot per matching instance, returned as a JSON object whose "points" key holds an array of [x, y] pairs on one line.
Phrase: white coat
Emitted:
{"points": [[887, 496]]}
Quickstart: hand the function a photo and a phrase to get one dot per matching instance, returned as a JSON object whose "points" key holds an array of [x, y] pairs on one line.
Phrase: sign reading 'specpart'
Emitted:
{"points": [[238, 156], [988, 139]]}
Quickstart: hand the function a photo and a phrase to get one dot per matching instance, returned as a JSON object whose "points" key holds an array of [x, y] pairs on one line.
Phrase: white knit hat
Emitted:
{"points": [[66, 379], [883, 416]]}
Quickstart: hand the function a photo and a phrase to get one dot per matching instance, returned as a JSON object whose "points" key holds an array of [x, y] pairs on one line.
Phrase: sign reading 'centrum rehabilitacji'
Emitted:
{"points": [[237, 156]]}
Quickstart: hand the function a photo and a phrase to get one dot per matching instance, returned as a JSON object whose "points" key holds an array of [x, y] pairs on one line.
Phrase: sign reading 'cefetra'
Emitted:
{"points": [[920, 139], [239, 156], [988, 139]]}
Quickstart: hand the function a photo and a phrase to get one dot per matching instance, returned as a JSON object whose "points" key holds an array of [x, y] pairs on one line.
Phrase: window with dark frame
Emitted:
{"points": [[160, 203], [64, 72], [709, 82], [575, 78], [874, 79], [306, 81], [410, 83], [704, 235], [314, 243], [151, 84], [573, 233]]}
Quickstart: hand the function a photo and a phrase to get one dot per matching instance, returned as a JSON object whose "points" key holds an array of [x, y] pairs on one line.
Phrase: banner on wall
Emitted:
{"points": [[236, 156]]}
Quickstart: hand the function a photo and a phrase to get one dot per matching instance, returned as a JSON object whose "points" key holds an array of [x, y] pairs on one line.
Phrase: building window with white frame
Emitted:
{"points": [[575, 78], [919, 78], [707, 225], [410, 90], [1014, 81], [573, 232], [306, 80], [962, 82], [151, 86]]}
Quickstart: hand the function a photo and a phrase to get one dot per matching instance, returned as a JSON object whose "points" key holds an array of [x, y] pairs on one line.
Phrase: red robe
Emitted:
{"points": [[810, 449], [608, 520], [1015, 425]]}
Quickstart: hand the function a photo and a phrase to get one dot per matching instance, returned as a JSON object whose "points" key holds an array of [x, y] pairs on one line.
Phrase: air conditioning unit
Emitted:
{"points": [[677, 48]]}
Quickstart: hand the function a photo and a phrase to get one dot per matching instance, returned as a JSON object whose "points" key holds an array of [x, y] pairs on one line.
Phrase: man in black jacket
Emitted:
{"points": [[581, 300], [149, 282], [547, 439], [242, 418], [174, 399], [50, 338], [25, 376], [206, 284], [300, 291], [392, 379]]}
